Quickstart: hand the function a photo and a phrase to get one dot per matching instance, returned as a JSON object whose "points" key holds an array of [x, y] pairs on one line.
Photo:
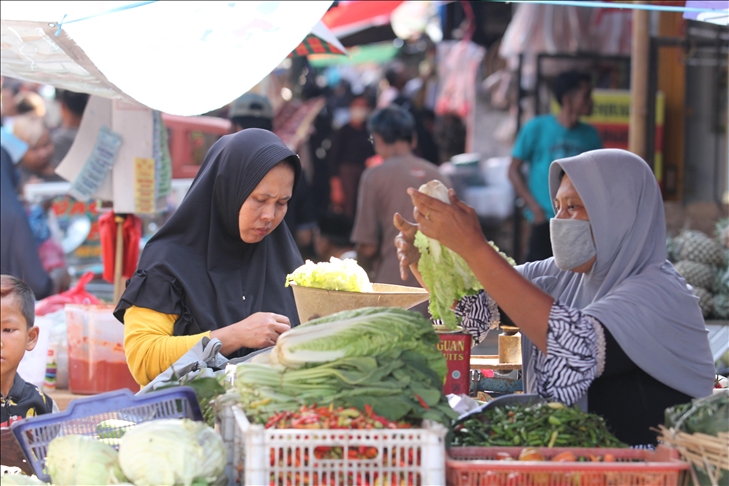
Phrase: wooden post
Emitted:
{"points": [[118, 258], [672, 82], [639, 82]]}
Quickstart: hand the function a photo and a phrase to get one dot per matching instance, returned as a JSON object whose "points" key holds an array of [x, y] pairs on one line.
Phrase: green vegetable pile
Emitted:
{"points": [[336, 274], [708, 415], [543, 425], [207, 389], [445, 273], [382, 357]]}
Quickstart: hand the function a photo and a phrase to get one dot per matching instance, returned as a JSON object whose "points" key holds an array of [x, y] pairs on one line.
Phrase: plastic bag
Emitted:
{"points": [[74, 295]]}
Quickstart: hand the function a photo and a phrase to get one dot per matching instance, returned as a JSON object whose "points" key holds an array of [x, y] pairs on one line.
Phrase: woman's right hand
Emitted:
{"points": [[407, 252], [259, 330]]}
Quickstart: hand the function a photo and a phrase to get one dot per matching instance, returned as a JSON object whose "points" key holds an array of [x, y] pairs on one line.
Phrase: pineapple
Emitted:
{"points": [[706, 301], [722, 232], [696, 274], [721, 306], [671, 250], [697, 247]]}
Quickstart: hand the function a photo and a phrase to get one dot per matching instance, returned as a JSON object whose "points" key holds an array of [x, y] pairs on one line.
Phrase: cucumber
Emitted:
{"points": [[112, 429]]}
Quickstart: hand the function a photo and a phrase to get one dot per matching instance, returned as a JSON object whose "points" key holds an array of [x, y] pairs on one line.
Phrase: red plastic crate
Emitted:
{"points": [[478, 466]]}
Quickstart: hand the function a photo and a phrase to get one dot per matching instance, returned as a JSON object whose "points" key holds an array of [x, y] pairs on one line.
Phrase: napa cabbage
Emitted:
{"points": [[336, 274], [445, 273], [78, 459], [370, 331], [172, 451]]}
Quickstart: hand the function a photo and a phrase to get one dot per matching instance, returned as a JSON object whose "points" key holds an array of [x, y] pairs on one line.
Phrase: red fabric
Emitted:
{"points": [[350, 15], [74, 295], [132, 234]]}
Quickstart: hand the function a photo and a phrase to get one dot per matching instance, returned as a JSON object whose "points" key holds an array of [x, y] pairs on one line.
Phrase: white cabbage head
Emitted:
{"points": [[436, 189], [78, 459], [172, 451]]}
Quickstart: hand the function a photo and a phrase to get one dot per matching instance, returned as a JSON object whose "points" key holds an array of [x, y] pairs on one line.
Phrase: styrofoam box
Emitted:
{"points": [[491, 201], [251, 448], [495, 171]]}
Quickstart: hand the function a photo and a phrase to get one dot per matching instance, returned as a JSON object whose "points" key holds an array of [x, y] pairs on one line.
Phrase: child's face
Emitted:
{"points": [[15, 337]]}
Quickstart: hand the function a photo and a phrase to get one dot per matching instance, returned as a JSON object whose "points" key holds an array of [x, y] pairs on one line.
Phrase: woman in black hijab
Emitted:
{"points": [[217, 268]]}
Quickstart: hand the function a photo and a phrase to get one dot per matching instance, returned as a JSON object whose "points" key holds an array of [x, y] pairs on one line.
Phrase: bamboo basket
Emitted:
{"points": [[312, 302], [706, 453]]}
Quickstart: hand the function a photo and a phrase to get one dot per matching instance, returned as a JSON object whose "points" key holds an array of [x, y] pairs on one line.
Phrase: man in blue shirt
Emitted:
{"points": [[547, 138]]}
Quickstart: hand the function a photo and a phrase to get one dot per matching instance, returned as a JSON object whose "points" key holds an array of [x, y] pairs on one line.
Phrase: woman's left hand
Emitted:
{"points": [[454, 225]]}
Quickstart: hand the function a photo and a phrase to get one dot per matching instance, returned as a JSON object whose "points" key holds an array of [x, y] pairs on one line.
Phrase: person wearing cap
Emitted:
{"points": [[332, 238], [251, 111]]}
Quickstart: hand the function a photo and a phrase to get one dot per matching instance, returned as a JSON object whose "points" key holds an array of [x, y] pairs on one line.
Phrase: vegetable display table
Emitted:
{"points": [[63, 398]]}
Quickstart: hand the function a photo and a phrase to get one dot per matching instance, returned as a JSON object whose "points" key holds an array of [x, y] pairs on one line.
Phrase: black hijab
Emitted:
{"points": [[197, 266]]}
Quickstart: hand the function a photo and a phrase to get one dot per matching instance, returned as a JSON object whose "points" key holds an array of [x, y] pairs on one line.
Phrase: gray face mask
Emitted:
{"points": [[572, 243]]}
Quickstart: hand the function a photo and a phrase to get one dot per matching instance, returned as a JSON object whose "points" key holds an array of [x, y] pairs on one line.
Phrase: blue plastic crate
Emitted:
{"points": [[83, 415]]}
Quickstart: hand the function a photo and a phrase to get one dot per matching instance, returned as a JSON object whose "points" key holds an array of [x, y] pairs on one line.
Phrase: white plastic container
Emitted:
{"points": [[96, 359], [491, 201], [253, 449]]}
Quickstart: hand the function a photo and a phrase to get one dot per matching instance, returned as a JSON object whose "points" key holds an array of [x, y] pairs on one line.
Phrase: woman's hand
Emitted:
{"points": [[454, 225], [407, 253], [258, 330]]}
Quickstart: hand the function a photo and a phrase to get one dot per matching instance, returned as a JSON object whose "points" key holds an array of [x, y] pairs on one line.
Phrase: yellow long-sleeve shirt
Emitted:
{"points": [[149, 344]]}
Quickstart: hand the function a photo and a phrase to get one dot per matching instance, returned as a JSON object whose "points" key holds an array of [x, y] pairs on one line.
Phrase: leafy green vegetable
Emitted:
{"points": [[445, 273], [382, 357], [370, 331], [172, 451], [78, 459], [336, 274], [707, 415]]}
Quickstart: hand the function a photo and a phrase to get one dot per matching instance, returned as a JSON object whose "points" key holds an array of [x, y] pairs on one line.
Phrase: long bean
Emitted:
{"points": [[544, 425]]}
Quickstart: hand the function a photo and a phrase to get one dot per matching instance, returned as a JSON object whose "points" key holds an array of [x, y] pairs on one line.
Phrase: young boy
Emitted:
{"points": [[18, 399]]}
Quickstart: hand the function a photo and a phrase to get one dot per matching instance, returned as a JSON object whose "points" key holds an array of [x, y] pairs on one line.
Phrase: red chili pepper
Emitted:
{"points": [[422, 402]]}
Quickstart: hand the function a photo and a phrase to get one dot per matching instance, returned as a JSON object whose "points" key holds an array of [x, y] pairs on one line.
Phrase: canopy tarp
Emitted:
{"points": [[714, 11], [349, 17], [182, 58], [371, 53]]}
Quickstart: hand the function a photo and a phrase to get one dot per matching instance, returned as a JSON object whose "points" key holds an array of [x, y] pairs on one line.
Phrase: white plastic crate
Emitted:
{"points": [[404, 456]]}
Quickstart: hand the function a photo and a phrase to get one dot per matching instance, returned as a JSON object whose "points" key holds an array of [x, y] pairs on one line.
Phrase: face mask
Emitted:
{"points": [[572, 242], [358, 114]]}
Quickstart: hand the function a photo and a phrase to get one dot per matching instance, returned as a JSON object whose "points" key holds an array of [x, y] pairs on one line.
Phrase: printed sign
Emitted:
{"points": [[97, 166], [457, 351], [144, 185], [611, 118]]}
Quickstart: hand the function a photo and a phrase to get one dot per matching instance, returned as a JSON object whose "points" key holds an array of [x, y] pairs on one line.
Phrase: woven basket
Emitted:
{"points": [[708, 454]]}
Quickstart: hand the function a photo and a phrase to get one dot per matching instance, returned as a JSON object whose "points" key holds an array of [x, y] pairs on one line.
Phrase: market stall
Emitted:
{"points": [[362, 392]]}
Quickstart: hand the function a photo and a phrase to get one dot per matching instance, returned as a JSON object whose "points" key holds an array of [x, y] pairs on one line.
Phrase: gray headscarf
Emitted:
{"points": [[632, 289]]}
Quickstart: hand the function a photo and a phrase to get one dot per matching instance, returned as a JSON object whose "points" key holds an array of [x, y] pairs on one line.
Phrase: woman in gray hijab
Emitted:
{"points": [[609, 324]]}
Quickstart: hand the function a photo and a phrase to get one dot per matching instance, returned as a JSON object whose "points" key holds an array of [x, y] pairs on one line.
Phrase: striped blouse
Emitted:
{"points": [[575, 346]]}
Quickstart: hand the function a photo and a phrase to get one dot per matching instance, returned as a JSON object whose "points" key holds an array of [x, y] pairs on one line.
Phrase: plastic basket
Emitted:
{"points": [[82, 416], [478, 466], [259, 456]]}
